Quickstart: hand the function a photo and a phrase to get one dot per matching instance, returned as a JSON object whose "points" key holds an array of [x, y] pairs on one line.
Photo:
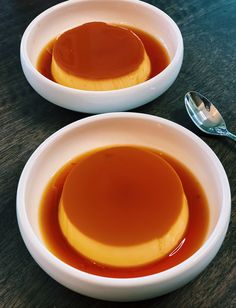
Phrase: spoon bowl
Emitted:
{"points": [[205, 115]]}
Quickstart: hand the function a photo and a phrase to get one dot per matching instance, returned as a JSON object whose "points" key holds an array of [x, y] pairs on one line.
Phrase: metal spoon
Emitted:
{"points": [[205, 115]]}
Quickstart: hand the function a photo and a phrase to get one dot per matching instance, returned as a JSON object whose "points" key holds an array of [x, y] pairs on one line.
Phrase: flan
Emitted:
{"points": [[123, 207], [98, 56]]}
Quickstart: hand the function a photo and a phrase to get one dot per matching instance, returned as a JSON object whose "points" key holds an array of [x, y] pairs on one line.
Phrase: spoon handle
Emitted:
{"points": [[231, 136]]}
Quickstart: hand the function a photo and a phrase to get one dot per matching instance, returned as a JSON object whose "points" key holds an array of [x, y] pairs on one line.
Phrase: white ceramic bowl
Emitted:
{"points": [[123, 128], [69, 14]]}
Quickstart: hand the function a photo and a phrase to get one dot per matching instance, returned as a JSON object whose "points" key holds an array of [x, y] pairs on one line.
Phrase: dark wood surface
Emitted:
{"points": [[209, 32]]}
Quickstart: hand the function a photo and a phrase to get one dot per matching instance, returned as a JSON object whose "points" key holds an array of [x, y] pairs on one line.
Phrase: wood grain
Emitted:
{"points": [[209, 32]]}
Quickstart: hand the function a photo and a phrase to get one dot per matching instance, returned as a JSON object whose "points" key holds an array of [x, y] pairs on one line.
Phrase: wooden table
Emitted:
{"points": [[209, 32]]}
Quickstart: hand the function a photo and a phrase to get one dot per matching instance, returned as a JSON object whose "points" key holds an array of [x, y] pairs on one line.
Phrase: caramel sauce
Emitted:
{"points": [[58, 245], [105, 193], [89, 62], [97, 50]]}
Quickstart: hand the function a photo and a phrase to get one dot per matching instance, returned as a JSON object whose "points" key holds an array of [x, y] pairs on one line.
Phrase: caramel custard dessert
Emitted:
{"points": [[123, 211], [99, 56], [118, 215]]}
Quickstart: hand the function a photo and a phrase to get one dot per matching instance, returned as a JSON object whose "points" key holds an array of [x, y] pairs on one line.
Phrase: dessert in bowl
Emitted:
{"points": [[109, 138], [97, 56], [134, 213], [128, 83]]}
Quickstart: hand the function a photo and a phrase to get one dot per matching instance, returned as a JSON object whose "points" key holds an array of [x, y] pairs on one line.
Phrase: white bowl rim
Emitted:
{"points": [[174, 62], [197, 257]]}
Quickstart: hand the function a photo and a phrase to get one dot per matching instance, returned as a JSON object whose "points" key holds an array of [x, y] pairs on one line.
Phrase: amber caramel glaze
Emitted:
{"points": [[57, 244], [97, 50], [156, 52], [123, 196]]}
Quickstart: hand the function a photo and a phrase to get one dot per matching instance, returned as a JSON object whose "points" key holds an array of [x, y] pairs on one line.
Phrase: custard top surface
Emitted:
{"points": [[123, 196], [97, 50]]}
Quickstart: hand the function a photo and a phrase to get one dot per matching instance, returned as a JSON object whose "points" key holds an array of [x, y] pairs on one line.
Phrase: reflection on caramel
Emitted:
{"points": [[193, 238]]}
